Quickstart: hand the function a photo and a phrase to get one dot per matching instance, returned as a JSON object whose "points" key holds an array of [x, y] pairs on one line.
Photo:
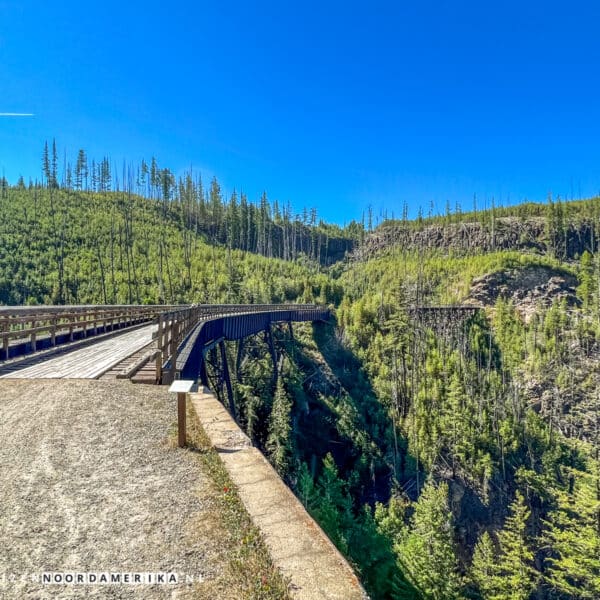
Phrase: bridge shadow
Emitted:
{"points": [[371, 417], [366, 452]]}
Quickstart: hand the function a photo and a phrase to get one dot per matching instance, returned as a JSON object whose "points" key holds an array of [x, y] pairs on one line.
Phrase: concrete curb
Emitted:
{"points": [[298, 546]]}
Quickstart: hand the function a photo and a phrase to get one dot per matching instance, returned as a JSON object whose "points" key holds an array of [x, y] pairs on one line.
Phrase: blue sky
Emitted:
{"points": [[337, 105]]}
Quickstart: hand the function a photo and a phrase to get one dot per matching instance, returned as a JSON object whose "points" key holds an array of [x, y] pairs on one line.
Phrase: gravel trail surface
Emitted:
{"points": [[90, 482]]}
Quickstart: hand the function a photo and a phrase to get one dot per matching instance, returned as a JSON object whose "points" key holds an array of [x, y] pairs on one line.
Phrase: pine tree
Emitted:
{"points": [[81, 172], [555, 228], [69, 177], [516, 577], [375, 555], [334, 512], [305, 487], [216, 209], [53, 180], [456, 423], [46, 163], [484, 570], [279, 442], [573, 533], [585, 291], [426, 553]]}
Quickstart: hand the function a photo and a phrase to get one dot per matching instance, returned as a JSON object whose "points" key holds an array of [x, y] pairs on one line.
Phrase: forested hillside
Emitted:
{"points": [[453, 457], [447, 457], [145, 237]]}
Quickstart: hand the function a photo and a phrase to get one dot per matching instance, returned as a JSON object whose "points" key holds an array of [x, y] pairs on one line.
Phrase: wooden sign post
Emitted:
{"points": [[181, 387]]}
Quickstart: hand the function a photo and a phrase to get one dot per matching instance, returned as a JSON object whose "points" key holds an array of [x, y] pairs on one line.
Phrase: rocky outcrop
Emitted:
{"points": [[528, 288], [505, 233]]}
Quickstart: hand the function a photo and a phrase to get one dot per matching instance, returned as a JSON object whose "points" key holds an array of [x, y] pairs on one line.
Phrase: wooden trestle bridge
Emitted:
{"points": [[152, 343], [148, 343]]}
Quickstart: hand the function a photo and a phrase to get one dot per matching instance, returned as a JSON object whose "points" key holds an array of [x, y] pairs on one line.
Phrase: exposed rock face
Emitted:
{"points": [[505, 233], [527, 288], [334, 249]]}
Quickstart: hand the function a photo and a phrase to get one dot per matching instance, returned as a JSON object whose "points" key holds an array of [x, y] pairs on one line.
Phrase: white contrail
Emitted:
{"points": [[16, 114]]}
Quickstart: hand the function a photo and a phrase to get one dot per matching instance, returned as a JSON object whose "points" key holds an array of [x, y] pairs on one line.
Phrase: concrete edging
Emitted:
{"points": [[298, 546]]}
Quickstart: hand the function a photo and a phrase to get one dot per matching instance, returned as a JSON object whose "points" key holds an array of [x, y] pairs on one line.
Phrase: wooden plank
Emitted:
{"points": [[89, 362]]}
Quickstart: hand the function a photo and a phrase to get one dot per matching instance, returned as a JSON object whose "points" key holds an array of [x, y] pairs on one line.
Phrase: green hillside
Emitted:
{"points": [[453, 458], [62, 246], [474, 443]]}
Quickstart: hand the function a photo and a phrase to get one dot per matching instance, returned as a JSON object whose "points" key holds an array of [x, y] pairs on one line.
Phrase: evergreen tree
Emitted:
{"points": [[81, 172], [216, 208], [334, 510], [555, 228], [515, 576], [305, 487], [426, 552], [585, 291], [53, 180], [484, 570], [573, 533], [46, 163], [279, 442], [374, 553]]}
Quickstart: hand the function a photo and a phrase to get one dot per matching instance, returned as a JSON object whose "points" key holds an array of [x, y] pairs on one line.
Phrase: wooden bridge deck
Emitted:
{"points": [[86, 363]]}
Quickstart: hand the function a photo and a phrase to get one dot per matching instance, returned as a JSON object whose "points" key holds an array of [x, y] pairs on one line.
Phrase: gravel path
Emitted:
{"points": [[90, 482]]}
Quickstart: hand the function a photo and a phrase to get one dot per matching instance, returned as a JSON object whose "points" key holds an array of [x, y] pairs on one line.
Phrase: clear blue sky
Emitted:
{"points": [[338, 105]]}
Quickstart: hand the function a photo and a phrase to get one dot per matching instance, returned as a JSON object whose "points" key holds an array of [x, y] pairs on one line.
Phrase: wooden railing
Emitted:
{"points": [[175, 325], [26, 329], [32, 327]]}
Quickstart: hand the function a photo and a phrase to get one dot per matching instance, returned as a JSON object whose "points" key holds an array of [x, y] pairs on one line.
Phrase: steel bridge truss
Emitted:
{"points": [[205, 345]]}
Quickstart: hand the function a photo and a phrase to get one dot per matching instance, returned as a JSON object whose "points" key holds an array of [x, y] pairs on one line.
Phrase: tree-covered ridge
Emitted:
{"points": [[439, 477], [63, 246], [457, 458], [432, 277], [496, 407], [564, 230], [573, 210], [268, 228], [471, 452]]}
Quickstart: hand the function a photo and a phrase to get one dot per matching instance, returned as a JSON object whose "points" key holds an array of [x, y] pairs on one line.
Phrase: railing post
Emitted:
{"points": [[181, 406], [33, 341], [173, 349], [159, 337], [160, 346], [167, 343], [159, 364]]}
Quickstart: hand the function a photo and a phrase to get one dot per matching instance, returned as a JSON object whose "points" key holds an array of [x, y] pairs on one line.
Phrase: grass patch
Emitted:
{"points": [[249, 572]]}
